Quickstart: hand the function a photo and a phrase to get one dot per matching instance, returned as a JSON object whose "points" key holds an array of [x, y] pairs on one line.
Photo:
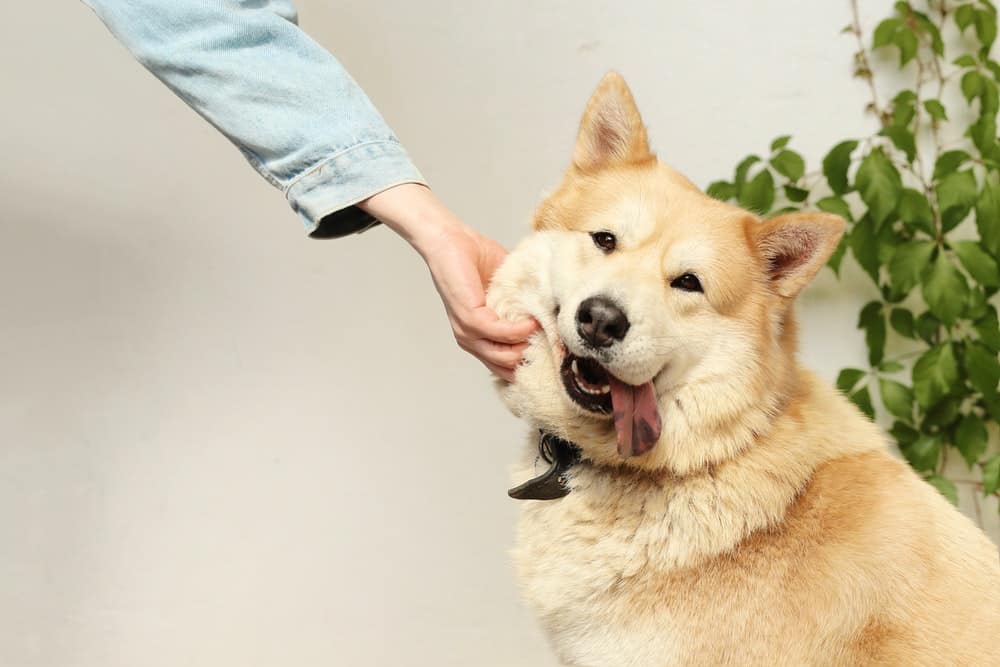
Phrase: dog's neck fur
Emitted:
{"points": [[681, 518]]}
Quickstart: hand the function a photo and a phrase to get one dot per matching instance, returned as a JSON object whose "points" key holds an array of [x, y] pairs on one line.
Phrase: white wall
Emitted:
{"points": [[224, 444]]}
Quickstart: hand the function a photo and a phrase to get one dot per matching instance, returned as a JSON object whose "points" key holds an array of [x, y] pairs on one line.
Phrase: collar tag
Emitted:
{"points": [[550, 485]]}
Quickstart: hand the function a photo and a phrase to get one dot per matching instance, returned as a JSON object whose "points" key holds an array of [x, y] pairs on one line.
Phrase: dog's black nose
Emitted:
{"points": [[600, 322]]}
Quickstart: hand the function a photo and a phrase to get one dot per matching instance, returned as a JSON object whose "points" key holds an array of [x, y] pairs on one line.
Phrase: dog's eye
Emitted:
{"points": [[606, 241], [688, 282]]}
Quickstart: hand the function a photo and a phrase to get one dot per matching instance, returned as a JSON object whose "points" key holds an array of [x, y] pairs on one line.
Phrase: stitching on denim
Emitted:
{"points": [[355, 200], [336, 156], [260, 167]]}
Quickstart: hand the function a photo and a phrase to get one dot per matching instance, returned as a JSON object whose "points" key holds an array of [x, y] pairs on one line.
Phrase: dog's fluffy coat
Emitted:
{"points": [[769, 526]]}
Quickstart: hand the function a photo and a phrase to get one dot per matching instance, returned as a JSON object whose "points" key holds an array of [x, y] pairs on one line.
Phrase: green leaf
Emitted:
{"points": [[835, 205], [986, 28], [945, 487], [880, 185], [780, 142], [991, 475], [944, 289], [935, 375], [873, 322], [994, 67], [902, 321], [964, 16], [743, 168], [721, 190], [988, 217], [965, 61], [948, 162], [989, 100], [988, 329], [904, 434], [915, 211], [923, 453], [972, 85], [971, 438], [863, 400], [982, 367], [864, 244], [943, 413], [888, 366], [984, 133], [927, 26], [935, 109], [837, 255], [992, 406], [885, 33], [927, 326], [956, 194], [907, 43], [758, 194], [897, 398], [849, 378], [795, 194], [790, 164], [908, 263], [976, 305], [835, 166], [904, 108], [977, 262], [902, 138]]}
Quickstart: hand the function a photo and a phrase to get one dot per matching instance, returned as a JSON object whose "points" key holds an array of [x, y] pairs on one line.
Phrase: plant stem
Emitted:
{"points": [[862, 56]]}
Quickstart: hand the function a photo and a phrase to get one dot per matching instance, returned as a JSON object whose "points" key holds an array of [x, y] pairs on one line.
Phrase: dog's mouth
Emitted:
{"points": [[634, 408], [587, 383]]}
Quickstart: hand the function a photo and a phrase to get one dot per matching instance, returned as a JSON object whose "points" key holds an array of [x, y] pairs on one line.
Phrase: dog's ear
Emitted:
{"points": [[611, 131], [795, 246]]}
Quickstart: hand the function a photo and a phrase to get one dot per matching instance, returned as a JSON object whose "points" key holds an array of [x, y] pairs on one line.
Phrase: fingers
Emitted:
{"points": [[500, 358], [504, 374], [499, 354], [484, 323]]}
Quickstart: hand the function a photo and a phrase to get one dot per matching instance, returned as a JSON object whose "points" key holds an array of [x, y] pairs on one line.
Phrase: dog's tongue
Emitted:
{"points": [[637, 420]]}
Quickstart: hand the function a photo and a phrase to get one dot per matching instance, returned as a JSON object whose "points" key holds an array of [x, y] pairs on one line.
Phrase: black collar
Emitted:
{"points": [[561, 455]]}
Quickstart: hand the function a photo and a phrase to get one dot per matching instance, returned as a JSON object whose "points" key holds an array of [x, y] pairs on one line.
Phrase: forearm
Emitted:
{"points": [[287, 104], [415, 213]]}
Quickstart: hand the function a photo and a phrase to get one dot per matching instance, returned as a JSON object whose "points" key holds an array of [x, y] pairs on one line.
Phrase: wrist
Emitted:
{"points": [[414, 212]]}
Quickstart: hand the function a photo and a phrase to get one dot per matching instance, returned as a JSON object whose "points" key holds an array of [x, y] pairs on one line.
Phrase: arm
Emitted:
{"points": [[306, 126], [283, 100], [461, 262]]}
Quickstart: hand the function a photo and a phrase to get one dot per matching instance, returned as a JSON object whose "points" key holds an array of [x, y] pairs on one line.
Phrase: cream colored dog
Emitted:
{"points": [[729, 508]]}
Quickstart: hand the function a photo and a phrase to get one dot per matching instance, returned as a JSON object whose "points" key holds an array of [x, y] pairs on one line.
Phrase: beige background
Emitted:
{"points": [[224, 444]]}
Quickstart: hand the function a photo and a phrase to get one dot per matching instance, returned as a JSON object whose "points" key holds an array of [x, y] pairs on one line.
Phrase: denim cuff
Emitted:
{"points": [[324, 197]]}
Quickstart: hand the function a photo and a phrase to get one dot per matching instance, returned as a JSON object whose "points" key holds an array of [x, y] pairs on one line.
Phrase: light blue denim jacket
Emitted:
{"points": [[287, 104]]}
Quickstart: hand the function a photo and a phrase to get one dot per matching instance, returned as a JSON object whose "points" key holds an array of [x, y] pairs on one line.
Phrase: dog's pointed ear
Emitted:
{"points": [[611, 131], [795, 246]]}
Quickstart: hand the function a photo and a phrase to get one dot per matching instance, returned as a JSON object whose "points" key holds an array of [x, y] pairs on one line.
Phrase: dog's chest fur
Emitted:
{"points": [[618, 575], [633, 572]]}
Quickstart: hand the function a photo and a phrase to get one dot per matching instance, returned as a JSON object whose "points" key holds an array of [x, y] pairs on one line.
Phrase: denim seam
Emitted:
{"points": [[354, 201], [318, 166]]}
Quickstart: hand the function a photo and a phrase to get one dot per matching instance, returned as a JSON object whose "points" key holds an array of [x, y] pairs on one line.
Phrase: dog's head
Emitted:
{"points": [[667, 336]]}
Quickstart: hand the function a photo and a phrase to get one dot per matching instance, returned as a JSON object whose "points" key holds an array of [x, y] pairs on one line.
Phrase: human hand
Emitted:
{"points": [[461, 262]]}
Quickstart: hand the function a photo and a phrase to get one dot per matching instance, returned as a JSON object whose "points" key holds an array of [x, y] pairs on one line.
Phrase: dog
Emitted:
{"points": [[710, 501]]}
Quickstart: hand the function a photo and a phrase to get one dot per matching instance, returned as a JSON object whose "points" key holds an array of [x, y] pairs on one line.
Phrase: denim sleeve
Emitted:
{"points": [[282, 99]]}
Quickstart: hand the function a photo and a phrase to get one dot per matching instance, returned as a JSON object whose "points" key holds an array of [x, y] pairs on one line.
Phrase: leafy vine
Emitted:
{"points": [[921, 195]]}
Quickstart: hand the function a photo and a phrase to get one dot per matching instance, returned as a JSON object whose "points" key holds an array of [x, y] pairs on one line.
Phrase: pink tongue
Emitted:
{"points": [[636, 419]]}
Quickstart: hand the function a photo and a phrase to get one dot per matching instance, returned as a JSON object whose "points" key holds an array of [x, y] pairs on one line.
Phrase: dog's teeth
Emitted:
{"points": [[606, 389]]}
